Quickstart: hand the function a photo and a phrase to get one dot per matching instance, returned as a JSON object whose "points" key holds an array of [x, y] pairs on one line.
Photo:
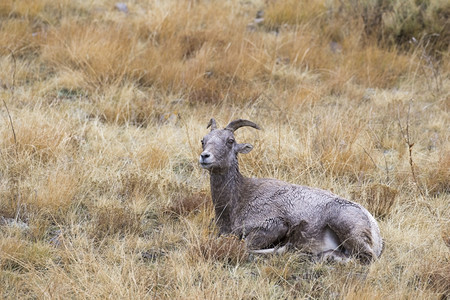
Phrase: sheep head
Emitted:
{"points": [[220, 149]]}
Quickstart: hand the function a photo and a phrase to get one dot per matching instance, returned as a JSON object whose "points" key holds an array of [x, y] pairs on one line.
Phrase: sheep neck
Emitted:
{"points": [[225, 191]]}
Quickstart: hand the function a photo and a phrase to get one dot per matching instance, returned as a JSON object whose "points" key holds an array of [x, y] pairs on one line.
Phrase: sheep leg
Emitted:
{"points": [[332, 256], [267, 234], [276, 250], [358, 243]]}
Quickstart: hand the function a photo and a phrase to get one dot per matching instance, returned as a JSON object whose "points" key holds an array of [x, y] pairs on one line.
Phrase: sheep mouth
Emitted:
{"points": [[206, 165]]}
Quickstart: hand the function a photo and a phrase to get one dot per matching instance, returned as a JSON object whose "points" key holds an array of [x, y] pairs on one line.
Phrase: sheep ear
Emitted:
{"points": [[212, 123], [244, 148]]}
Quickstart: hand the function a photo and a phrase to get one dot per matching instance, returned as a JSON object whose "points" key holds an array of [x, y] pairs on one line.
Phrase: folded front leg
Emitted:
{"points": [[266, 234]]}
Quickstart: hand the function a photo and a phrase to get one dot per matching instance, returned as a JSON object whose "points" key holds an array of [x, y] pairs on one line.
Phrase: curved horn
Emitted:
{"points": [[212, 123], [236, 124]]}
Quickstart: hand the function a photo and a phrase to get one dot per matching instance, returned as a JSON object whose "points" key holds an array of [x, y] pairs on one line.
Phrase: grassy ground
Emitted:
{"points": [[101, 121]]}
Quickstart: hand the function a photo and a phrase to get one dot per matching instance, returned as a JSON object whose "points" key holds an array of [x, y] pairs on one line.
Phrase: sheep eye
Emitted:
{"points": [[230, 141], [203, 142]]}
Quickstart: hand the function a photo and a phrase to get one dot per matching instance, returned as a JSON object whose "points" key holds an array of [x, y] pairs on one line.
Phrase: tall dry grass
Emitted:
{"points": [[100, 192]]}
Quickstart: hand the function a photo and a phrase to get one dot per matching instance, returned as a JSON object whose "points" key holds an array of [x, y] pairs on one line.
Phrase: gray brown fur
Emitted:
{"points": [[271, 213]]}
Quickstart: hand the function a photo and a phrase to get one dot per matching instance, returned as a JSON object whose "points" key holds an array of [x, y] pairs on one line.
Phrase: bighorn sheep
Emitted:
{"points": [[272, 215]]}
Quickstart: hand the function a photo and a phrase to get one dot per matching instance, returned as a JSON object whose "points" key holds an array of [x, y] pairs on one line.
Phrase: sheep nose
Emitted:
{"points": [[205, 155], [206, 160]]}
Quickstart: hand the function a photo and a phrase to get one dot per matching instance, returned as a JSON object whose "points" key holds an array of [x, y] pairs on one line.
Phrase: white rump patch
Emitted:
{"points": [[330, 240]]}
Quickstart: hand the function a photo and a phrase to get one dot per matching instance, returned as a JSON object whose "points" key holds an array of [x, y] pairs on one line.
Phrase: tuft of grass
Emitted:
{"points": [[293, 12], [185, 204], [101, 53], [124, 105], [337, 146], [226, 249], [38, 138], [110, 220], [437, 182], [16, 34], [54, 197], [379, 199], [436, 277], [21, 256]]}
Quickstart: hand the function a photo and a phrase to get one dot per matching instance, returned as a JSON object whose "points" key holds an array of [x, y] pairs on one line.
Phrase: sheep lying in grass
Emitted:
{"points": [[272, 215]]}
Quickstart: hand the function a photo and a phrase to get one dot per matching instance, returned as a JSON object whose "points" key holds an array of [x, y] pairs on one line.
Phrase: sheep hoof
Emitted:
{"points": [[275, 250], [332, 256]]}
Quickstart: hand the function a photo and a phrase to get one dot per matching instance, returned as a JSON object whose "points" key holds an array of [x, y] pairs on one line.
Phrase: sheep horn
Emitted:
{"points": [[236, 124], [212, 123]]}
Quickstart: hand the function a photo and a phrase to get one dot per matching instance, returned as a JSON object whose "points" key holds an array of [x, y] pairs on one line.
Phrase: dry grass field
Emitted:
{"points": [[103, 109]]}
